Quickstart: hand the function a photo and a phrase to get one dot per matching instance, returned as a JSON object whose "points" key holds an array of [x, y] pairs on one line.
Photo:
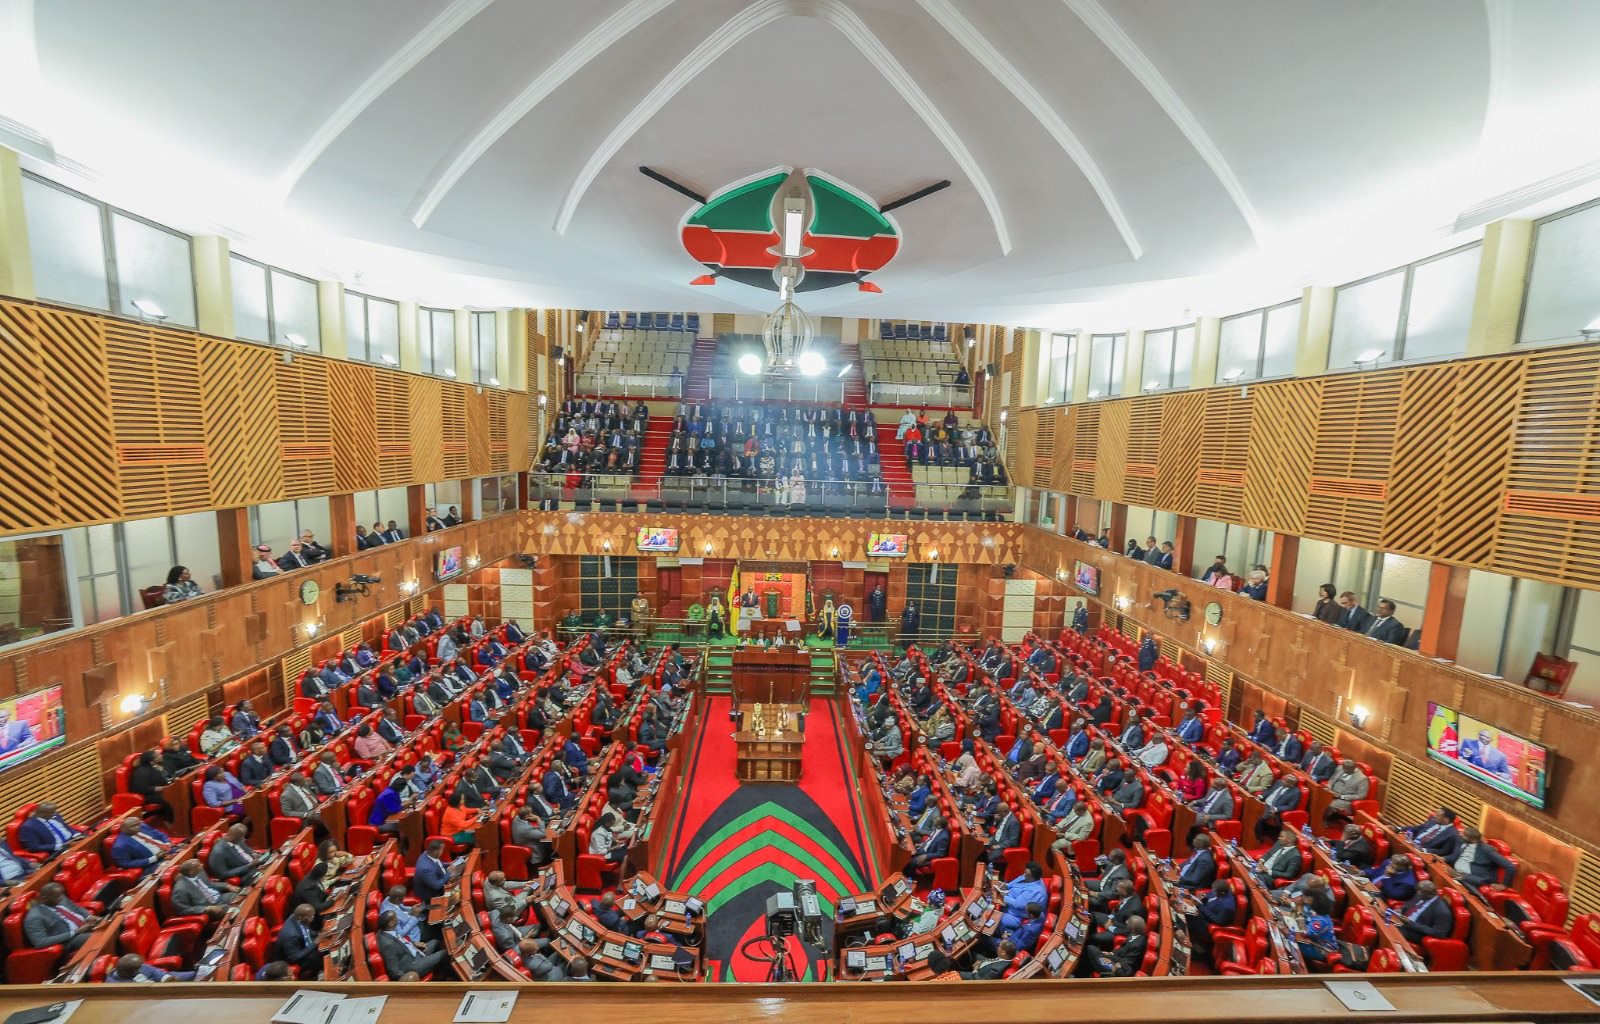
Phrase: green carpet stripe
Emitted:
{"points": [[767, 809], [754, 876], [749, 853]]}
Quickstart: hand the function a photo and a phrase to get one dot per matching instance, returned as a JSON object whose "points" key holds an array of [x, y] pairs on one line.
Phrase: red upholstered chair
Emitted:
{"points": [[374, 957], [166, 948], [26, 966], [592, 870], [102, 966], [1540, 907], [242, 972], [945, 874], [1384, 961], [84, 878], [256, 943], [275, 899], [1450, 954], [1237, 952]]}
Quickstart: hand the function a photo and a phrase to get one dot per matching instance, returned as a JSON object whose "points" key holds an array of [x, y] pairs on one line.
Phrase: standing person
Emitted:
{"points": [[910, 620], [877, 604]]}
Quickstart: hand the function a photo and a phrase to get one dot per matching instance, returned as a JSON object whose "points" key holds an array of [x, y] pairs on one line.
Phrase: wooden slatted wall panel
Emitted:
{"points": [[1021, 430], [1044, 448], [241, 425], [477, 433], [1319, 726], [1550, 519], [1354, 454], [1453, 418], [305, 428], [496, 434], [292, 666], [1144, 451], [55, 416], [182, 718], [427, 453], [518, 441], [1585, 891], [354, 417], [453, 413], [1411, 794], [1224, 454], [1221, 676], [1111, 449], [1277, 475], [1182, 426], [394, 428], [71, 781], [1085, 422], [157, 420]]}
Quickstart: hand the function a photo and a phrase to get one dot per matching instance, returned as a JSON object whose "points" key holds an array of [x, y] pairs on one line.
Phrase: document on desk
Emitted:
{"points": [[1359, 996], [307, 1007], [361, 1010], [485, 1008]]}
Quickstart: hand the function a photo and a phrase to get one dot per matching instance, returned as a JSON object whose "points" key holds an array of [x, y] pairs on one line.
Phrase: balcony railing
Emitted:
{"points": [[630, 385], [866, 498], [777, 389], [945, 396]]}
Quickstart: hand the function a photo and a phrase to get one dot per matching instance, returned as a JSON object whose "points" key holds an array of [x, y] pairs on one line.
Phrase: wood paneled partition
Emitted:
{"points": [[1328, 671], [1492, 463], [107, 419]]}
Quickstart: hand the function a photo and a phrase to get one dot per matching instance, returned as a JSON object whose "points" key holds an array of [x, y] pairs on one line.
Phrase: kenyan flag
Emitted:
{"points": [[734, 234]]}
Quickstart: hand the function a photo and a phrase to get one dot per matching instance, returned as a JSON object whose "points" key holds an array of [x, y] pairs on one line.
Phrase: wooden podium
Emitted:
{"points": [[767, 675], [768, 747]]}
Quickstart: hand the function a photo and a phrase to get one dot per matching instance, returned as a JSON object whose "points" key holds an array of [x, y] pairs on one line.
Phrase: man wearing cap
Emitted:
{"points": [[264, 567]]}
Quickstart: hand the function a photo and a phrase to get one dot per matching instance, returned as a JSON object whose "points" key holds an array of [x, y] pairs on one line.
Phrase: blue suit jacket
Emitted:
{"points": [[429, 880], [1026, 934], [1199, 871], [555, 789], [36, 837], [127, 852], [1078, 746]]}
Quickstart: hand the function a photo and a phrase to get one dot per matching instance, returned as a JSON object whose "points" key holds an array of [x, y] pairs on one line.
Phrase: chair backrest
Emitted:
{"points": [[1548, 899]]}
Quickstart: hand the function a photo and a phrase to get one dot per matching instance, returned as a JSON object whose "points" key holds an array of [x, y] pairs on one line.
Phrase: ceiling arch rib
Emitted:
{"points": [[387, 74], [1122, 46], [751, 19], [601, 38], [981, 50]]}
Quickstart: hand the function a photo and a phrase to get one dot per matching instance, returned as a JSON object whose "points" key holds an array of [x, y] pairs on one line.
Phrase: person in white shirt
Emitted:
{"points": [[1154, 753], [264, 567], [609, 842]]}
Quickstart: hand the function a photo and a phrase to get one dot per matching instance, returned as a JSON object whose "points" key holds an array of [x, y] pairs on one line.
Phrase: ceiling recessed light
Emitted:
{"points": [[147, 307], [750, 363]]}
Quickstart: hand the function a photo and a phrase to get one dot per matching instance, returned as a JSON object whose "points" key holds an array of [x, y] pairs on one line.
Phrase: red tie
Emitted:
{"points": [[72, 917]]}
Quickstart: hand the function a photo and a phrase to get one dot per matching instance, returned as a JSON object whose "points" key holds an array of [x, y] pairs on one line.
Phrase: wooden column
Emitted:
{"points": [[342, 521], [416, 510], [1183, 546], [1069, 514], [1119, 526], [1285, 555], [522, 489], [1441, 616], [233, 545], [469, 500]]}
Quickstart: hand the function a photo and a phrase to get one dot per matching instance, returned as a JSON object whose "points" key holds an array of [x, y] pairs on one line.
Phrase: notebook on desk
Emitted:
{"points": [[662, 963], [675, 907]]}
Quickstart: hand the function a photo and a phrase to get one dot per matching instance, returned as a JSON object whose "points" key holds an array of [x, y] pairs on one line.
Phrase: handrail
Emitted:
{"points": [[908, 393], [629, 385], [777, 389]]}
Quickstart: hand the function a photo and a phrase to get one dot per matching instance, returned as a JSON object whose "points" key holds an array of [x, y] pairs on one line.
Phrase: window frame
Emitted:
{"points": [[1170, 372], [312, 344], [483, 374], [1115, 385], [429, 364], [108, 251], [1261, 343], [1403, 318], [1533, 260], [1069, 366], [366, 329]]}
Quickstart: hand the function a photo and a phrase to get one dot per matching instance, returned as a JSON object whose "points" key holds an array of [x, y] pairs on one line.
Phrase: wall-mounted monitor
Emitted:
{"points": [[1086, 577], [887, 545], [656, 539], [31, 725], [447, 563], [1517, 767]]}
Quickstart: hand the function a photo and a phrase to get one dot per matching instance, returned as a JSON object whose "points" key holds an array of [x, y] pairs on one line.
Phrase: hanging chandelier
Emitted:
{"points": [[786, 336]]}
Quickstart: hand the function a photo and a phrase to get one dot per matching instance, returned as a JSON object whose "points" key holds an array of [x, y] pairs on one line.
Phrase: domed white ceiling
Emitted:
{"points": [[1101, 152]]}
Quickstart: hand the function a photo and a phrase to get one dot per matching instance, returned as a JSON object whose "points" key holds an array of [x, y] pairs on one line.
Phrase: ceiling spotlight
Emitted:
{"points": [[1004, 414], [750, 363], [811, 364], [1233, 374], [296, 340], [544, 399], [1371, 355], [148, 309], [134, 703]]}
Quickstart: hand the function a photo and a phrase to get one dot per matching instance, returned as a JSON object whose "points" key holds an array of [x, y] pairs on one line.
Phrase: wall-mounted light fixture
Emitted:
{"points": [[1208, 644], [312, 629], [605, 545], [408, 587], [834, 553], [708, 548], [933, 556], [135, 703], [1358, 716], [472, 561], [1123, 603]]}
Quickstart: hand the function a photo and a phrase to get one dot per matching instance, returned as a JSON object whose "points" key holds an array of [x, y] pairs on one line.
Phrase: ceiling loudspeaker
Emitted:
{"points": [[1009, 570], [558, 353], [991, 370]]}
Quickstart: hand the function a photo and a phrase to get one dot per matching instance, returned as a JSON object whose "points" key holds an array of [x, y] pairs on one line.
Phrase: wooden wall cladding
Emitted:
{"points": [[108, 420], [781, 539], [221, 647], [1492, 463], [1328, 670]]}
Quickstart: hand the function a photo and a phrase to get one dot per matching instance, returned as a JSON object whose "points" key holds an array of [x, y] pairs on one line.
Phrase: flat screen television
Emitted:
{"points": [[1086, 577], [447, 563], [30, 725], [1517, 767], [886, 545], [657, 539]]}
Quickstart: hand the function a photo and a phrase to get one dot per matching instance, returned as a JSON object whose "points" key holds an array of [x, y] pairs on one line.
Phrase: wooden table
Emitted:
{"points": [[774, 754], [770, 675]]}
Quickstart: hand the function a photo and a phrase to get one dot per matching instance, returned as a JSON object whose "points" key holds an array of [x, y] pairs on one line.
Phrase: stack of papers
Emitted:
{"points": [[307, 1007], [485, 1008]]}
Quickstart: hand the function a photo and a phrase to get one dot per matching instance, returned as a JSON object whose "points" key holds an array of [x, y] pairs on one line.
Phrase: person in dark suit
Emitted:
{"points": [[1161, 558], [1353, 849], [231, 858], [1438, 835], [283, 750], [1427, 915], [430, 878], [1386, 627], [1007, 833], [1478, 864], [1283, 861], [1354, 618], [1200, 870], [147, 779], [1396, 880], [45, 831], [54, 920], [297, 942], [1280, 797], [1217, 907], [1122, 962], [258, 767], [936, 845], [402, 956]]}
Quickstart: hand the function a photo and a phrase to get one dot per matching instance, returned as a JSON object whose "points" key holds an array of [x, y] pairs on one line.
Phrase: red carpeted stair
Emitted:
{"points": [[697, 382], [855, 385], [653, 456], [896, 477]]}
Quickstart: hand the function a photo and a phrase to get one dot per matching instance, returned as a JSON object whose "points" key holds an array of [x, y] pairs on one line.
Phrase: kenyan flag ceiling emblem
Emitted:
{"points": [[737, 233]]}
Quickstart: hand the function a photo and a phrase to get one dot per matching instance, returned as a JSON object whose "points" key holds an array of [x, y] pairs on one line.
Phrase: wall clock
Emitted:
{"points": [[309, 592], [1213, 613]]}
